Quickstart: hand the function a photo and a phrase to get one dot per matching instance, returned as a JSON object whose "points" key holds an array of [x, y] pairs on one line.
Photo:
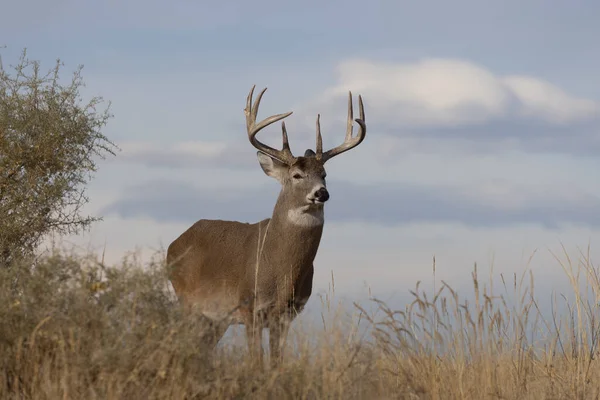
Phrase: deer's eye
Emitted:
{"points": [[297, 176]]}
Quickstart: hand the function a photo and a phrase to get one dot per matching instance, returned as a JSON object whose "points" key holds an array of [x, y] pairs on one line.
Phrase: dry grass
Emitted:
{"points": [[75, 329]]}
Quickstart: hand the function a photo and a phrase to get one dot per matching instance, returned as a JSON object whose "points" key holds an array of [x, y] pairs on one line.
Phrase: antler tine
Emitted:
{"points": [[285, 155], [248, 109], [284, 137], [350, 141], [361, 109], [319, 138]]}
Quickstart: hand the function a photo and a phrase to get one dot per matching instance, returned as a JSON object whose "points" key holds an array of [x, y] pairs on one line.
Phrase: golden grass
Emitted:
{"points": [[74, 329]]}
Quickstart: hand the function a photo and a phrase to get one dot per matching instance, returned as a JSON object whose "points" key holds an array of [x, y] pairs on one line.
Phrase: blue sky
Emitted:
{"points": [[483, 123]]}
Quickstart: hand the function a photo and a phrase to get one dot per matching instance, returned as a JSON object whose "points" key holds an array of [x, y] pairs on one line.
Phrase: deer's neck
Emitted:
{"points": [[293, 235], [287, 250]]}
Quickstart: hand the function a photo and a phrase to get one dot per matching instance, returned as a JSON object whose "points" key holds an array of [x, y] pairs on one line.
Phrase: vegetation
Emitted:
{"points": [[79, 329], [75, 328], [48, 141]]}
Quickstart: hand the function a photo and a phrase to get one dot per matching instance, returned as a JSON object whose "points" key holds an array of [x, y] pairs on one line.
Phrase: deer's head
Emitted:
{"points": [[302, 178]]}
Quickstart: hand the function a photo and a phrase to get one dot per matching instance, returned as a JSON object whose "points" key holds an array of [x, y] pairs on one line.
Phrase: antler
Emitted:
{"points": [[285, 154], [350, 142]]}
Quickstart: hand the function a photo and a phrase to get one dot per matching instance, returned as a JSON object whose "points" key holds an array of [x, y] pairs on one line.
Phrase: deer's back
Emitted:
{"points": [[211, 258]]}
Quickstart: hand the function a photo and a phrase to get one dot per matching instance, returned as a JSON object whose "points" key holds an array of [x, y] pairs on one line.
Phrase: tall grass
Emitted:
{"points": [[73, 328]]}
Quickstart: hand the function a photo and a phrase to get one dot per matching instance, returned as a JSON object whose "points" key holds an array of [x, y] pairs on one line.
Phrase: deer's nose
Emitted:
{"points": [[322, 195]]}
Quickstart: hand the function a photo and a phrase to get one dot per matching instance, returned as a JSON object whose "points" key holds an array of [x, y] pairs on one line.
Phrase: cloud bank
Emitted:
{"points": [[460, 106], [494, 204], [190, 154], [447, 92], [439, 105]]}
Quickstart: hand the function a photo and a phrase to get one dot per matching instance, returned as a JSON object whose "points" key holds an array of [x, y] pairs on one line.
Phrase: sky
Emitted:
{"points": [[482, 141]]}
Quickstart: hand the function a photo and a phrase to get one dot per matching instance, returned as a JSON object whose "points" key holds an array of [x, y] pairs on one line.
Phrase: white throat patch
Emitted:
{"points": [[306, 216]]}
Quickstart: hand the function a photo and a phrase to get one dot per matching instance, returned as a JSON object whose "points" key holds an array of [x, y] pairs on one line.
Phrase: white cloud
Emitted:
{"points": [[188, 154], [448, 92], [198, 148], [543, 100], [440, 91], [505, 195]]}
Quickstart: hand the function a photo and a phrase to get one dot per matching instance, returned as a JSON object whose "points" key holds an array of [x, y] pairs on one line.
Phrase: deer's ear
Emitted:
{"points": [[309, 153], [272, 167]]}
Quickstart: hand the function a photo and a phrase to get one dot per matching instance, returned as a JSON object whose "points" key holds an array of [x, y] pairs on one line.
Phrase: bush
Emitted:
{"points": [[48, 142]]}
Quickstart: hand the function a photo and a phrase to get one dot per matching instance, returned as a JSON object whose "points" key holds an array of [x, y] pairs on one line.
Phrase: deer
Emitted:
{"points": [[260, 275]]}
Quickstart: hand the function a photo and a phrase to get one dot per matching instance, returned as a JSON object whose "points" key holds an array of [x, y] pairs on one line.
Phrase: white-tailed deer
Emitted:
{"points": [[261, 274]]}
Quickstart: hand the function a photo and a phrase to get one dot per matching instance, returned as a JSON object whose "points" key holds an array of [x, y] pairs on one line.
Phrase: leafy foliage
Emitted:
{"points": [[49, 140]]}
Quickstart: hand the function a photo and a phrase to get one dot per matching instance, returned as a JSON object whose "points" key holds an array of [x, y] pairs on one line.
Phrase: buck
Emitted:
{"points": [[261, 275]]}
